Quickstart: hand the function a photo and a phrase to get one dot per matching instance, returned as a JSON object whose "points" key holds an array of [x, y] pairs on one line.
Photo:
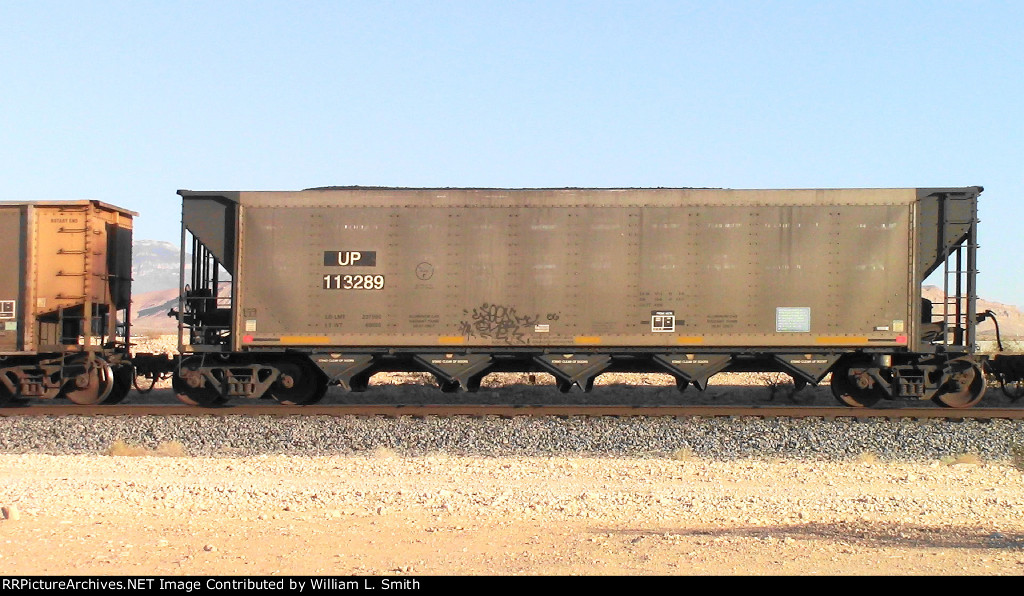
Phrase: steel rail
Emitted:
{"points": [[506, 411]]}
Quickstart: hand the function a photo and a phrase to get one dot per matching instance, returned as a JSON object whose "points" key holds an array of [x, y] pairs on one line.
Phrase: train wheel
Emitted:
{"points": [[297, 385], [91, 387], [192, 388], [1012, 389], [965, 387], [8, 398], [124, 376], [850, 393]]}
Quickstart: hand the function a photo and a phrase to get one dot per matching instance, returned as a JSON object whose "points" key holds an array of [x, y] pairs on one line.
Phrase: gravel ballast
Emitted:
{"points": [[717, 438]]}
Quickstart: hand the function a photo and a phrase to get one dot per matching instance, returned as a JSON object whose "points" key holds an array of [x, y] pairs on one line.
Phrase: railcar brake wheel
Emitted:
{"points": [[966, 386], [193, 390], [848, 392], [91, 387], [297, 385]]}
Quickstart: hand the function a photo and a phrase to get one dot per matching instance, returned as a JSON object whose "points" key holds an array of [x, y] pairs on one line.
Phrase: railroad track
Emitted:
{"points": [[447, 410]]}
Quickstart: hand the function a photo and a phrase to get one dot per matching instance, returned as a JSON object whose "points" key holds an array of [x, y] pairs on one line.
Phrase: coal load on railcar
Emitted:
{"points": [[291, 291], [64, 301]]}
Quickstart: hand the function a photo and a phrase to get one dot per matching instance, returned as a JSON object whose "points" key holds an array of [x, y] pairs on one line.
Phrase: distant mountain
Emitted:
{"points": [[149, 312], [155, 266], [1011, 319]]}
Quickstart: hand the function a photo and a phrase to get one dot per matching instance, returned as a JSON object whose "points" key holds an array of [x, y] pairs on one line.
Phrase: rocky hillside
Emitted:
{"points": [[155, 266], [1011, 319], [149, 311]]}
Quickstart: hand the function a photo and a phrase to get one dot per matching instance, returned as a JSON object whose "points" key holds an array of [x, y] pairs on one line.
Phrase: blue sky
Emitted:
{"points": [[127, 102]]}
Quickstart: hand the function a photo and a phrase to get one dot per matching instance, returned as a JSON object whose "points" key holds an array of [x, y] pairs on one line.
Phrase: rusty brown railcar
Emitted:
{"points": [[290, 291], [64, 301]]}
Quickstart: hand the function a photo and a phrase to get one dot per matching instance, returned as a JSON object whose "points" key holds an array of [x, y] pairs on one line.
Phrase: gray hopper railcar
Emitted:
{"points": [[64, 301], [291, 291]]}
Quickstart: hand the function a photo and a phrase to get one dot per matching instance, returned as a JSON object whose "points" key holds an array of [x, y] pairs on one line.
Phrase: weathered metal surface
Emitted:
{"points": [[630, 279], [665, 268], [12, 280], [68, 273], [64, 300]]}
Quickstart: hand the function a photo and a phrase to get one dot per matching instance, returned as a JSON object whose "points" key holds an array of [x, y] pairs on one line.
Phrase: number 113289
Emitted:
{"points": [[353, 282]]}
